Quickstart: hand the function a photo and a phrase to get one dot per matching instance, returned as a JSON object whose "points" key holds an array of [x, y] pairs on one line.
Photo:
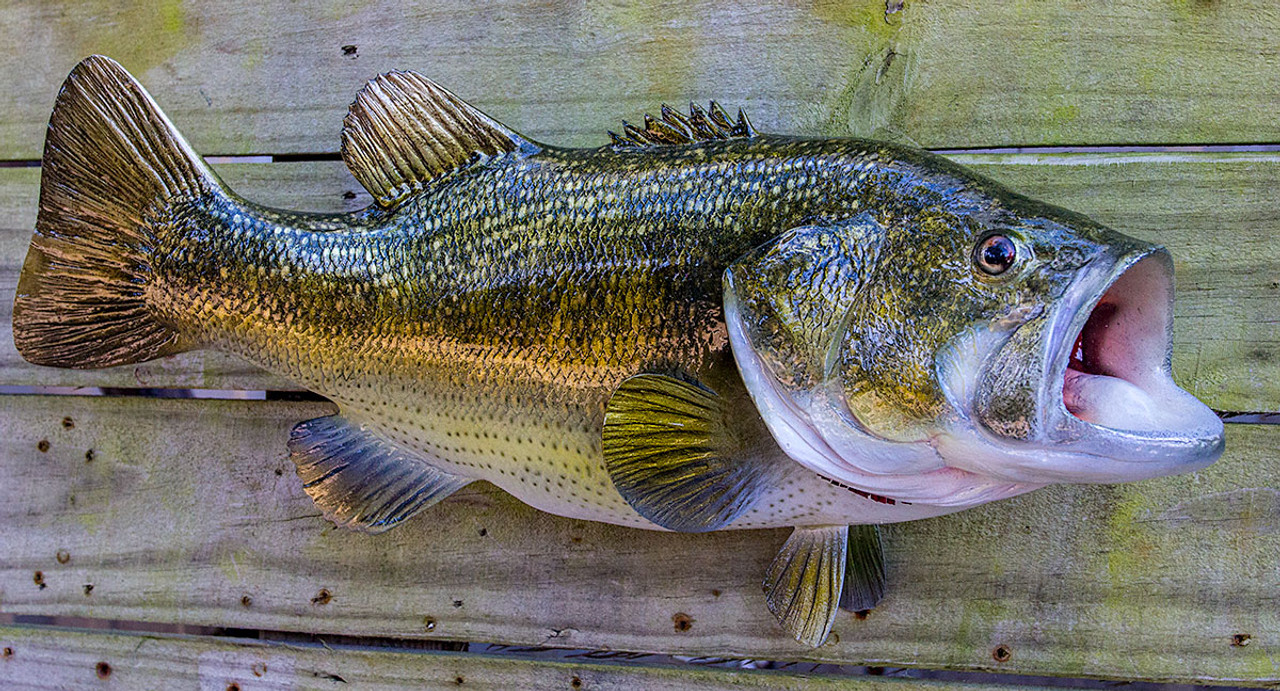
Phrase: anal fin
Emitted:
{"points": [[804, 582], [360, 481]]}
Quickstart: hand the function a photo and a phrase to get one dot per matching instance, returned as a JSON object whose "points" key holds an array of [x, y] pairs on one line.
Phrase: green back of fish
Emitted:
{"points": [[562, 272]]}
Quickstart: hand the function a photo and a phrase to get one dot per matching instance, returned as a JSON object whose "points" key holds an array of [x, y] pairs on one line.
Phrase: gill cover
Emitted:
{"points": [[791, 296], [787, 306]]}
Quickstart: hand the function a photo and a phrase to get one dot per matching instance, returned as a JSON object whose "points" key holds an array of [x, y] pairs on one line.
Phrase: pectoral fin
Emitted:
{"points": [[675, 458], [864, 574], [804, 582], [360, 481]]}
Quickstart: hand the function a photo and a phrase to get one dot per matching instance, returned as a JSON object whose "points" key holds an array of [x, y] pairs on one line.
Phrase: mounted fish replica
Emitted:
{"points": [[697, 327]]}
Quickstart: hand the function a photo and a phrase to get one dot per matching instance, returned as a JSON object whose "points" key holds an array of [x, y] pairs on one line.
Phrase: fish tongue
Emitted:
{"points": [[1108, 401]]}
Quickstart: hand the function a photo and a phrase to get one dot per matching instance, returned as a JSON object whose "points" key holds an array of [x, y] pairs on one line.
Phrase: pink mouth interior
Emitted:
{"points": [[1115, 367]]}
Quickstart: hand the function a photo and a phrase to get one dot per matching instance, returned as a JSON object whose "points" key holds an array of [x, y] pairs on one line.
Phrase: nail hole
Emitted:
{"points": [[715, 593], [483, 532], [43, 445], [459, 681], [1240, 640], [575, 683], [68, 423], [279, 472], [349, 51], [89, 456], [1002, 653], [457, 603], [246, 600], [103, 669], [88, 589], [323, 597], [38, 579], [8, 652], [348, 195], [682, 622], [259, 668], [233, 686], [63, 556], [429, 624]]}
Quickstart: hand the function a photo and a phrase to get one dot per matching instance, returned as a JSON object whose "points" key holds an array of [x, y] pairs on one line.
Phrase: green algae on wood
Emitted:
{"points": [[246, 77]]}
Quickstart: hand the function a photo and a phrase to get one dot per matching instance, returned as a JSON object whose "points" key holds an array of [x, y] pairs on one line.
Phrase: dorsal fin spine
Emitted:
{"points": [[675, 128]]}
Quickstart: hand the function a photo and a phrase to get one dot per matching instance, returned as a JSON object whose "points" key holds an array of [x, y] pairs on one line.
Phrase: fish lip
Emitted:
{"points": [[1168, 446]]}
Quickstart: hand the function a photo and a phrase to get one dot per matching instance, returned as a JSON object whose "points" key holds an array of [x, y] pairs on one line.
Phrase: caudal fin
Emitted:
{"points": [[113, 165]]}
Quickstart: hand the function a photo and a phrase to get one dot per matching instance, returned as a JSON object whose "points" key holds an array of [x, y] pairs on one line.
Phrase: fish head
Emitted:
{"points": [[967, 347], [1079, 388]]}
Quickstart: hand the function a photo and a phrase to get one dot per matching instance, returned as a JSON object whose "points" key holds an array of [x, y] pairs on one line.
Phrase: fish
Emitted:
{"points": [[694, 327]]}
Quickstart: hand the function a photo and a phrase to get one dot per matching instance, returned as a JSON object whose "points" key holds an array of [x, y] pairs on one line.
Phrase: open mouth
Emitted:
{"points": [[1117, 367]]}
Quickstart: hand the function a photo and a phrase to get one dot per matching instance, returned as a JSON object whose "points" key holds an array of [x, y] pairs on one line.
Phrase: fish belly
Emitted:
{"points": [[547, 456]]}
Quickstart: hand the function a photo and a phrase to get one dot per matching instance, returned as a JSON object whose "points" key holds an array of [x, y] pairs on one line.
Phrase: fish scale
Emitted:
{"points": [[698, 327], [443, 334]]}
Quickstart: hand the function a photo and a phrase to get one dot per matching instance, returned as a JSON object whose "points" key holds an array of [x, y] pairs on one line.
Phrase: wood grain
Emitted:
{"points": [[276, 77], [1215, 212], [187, 507], [46, 658]]}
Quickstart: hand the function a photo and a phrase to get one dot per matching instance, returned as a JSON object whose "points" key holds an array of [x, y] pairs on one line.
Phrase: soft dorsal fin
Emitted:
{"points": [[675, 128], [676, 457], [404, 130]]}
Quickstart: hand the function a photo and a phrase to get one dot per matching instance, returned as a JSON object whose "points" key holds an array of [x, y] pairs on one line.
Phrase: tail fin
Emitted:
{"points": [[113, 163]]}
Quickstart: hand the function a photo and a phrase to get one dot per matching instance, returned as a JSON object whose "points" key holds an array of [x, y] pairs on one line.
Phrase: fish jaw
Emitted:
{"points": [[1105, 408]]}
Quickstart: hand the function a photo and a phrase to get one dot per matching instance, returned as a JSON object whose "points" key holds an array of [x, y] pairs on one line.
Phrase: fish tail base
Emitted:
{"points": [[113, 166]]}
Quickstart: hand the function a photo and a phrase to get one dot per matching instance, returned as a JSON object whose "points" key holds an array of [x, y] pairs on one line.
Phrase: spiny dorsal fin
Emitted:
{"points": [[674, 457], [404, 130], [805, 580], [676, 128], [360, 481]]}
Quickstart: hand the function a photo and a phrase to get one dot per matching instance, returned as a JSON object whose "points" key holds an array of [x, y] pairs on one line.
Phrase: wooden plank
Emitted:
{"points": [[1216, 213], [47, 658], [272, 77], [189, 513]]}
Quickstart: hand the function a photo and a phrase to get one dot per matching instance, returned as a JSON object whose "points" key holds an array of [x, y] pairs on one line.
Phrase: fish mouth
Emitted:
{"points": [[1119, 353], [1115, 394]]}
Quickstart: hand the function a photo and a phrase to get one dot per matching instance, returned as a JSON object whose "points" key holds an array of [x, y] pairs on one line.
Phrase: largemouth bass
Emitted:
{"points": [[697, 327]]}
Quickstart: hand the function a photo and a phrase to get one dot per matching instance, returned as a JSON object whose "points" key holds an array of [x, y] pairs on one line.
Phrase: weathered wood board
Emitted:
{"points": [[189, 512], [275, 77], [40, 658], [1216, 213]]}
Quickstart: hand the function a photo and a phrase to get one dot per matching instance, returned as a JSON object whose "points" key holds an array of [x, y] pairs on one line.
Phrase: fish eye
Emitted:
{"points": [[995, 254]]}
